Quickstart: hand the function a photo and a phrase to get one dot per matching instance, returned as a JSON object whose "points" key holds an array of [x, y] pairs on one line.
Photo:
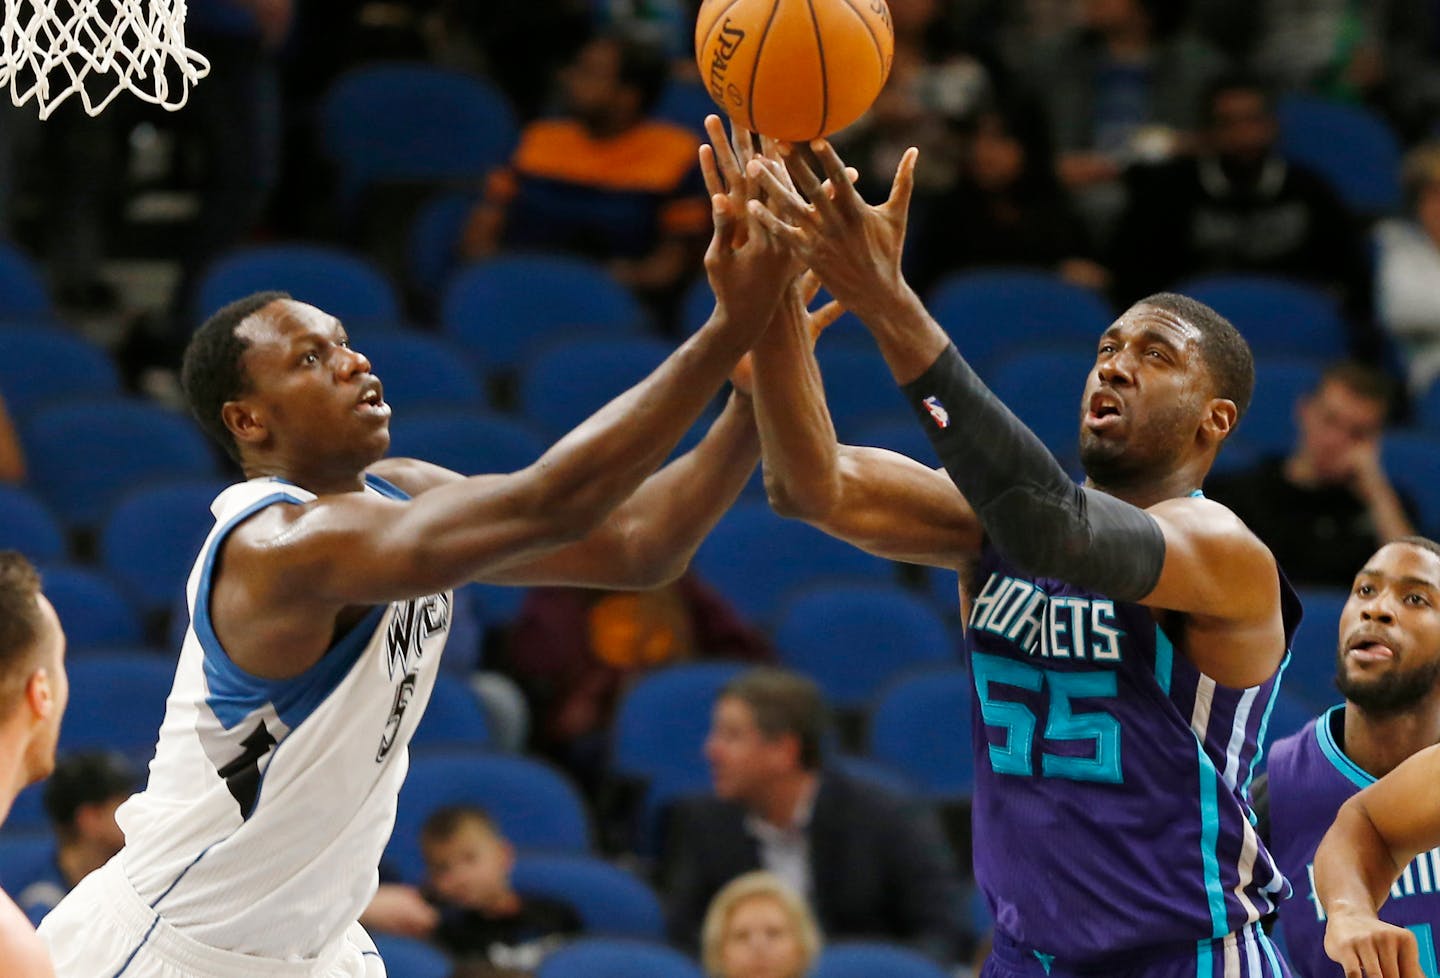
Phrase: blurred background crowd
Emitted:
{"points": [[501, 201]]}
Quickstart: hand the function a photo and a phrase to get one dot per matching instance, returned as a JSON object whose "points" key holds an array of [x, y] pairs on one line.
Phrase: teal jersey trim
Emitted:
{"points": [[1357, 775], [1164, 659], [1209, 839]]}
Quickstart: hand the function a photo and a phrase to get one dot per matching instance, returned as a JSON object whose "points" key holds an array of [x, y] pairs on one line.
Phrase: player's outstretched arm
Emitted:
{"points": [[1185, 555], [1375, 835], [21, 950], [358, 549]]}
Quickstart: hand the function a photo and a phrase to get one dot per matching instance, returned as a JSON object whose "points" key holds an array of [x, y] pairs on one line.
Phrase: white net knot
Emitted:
{"points": [[96, 49]]}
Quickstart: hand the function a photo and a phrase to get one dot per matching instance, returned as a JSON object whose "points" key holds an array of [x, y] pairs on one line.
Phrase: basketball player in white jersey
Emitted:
{"points": [[321, 601], [33, 692]]}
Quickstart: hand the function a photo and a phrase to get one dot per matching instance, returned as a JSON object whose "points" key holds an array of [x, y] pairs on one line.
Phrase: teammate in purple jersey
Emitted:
{"points": [[1385, 843], [1389, 672], [1125, 636]]}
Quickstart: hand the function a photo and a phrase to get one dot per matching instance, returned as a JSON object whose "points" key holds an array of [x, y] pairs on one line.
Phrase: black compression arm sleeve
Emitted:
{"points": [[1031, 510]]}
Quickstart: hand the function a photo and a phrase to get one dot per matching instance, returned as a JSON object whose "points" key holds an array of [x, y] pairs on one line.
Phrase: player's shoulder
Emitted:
{"points": [[411, 476], [22, 950]]}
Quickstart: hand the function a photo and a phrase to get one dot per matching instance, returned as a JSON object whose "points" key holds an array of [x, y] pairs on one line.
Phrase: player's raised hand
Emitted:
{"points": [[748, 268], [1366, 947], [853, 246]]}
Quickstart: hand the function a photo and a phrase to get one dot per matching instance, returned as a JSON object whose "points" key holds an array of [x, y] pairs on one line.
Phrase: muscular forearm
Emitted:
{"points": [[796, 432], [1354, 868], [673, 510], [594, 468]]}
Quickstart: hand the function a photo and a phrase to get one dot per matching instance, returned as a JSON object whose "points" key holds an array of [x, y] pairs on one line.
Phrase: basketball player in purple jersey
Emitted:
{"points": [[1125, 637], [1384, 847], [1389, 672]]}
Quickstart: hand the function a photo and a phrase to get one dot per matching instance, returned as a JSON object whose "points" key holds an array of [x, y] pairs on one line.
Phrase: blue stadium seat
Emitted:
{"points": [[686, 103], [570, 381], [1290, 712], [853, 639], [610, 901], [23, 296], [409, 957], [920, 725], [507, 309], [27, 525], [662, 721], [413, 123], [859, 388], [1277, 317], [867, 959], [24, 856], [150, 539], [469, 442], [421, 372], [27, 815], [535, 805], [1349, 145], [453, 718], [84, 455], [40, 365], [755, 558], [1045, 389], [433, 244], [611, 957], [995, 314], [878, 774], [1310, 676], [339, 282], [95, 612], [1427, 409], [1268, 428], [117, 702], [1412, 460], [901, 433]]}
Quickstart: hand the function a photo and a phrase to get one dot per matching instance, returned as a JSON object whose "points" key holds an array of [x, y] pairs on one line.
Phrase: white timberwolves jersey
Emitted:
{"points": [[269, 802]]}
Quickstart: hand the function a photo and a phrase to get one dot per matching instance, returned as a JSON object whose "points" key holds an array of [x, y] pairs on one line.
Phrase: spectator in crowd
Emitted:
{"points": [[483, 921], [871, 865], [1407, 274], [80, 799], [1005, 209], [1327, 506], [1352, 50], [576, 650], [757, 927], [12, 456], [935, 85], [1239, 207], [32, 677], [604, 180], [1122, 87]]}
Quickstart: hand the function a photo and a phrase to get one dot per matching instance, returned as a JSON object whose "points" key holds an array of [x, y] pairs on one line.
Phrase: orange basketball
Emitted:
{"points": [[794, 69]]}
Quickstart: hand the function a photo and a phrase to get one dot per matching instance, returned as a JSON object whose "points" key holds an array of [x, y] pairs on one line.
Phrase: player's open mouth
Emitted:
{"points": [[372, 402], [1104, 412], [1371, 651]]}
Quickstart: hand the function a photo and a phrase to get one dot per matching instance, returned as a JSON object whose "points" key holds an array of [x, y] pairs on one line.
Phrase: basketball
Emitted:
{"points": [[794, 69]]}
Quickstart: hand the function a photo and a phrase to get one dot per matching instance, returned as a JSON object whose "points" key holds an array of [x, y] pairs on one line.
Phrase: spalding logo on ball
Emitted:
{"points": [[794, 69]]}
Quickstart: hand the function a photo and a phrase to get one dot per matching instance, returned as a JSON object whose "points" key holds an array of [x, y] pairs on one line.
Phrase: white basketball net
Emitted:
{"points": [[52, 49]]}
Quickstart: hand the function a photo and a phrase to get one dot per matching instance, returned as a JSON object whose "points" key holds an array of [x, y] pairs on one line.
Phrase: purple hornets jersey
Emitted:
{"points": [[1310, 778], [1111, 808]]}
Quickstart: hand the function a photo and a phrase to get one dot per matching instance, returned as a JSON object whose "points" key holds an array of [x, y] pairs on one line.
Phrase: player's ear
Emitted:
{"points": [[244, 421], [1220, 419], [40, 694]]}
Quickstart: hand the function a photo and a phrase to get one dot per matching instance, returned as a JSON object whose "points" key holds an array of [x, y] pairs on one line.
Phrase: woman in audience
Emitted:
{"points": [[1407, 274], [757, 927]]}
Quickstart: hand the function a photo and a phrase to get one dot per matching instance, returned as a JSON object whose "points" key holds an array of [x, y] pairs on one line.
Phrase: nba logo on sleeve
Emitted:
{"points": [[937, 411]]}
